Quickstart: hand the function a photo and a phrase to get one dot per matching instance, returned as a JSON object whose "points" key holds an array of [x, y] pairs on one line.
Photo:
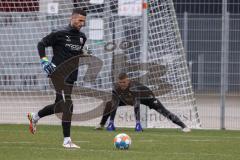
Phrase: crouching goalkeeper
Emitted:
{"points": [[128, 92]]}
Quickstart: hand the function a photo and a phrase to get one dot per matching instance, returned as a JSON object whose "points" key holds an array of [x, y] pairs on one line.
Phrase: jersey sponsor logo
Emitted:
{"points": [[73, 47]]}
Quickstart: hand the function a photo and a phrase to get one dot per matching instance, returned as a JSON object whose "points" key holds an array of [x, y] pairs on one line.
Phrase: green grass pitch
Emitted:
{"points": [[16, 143]]}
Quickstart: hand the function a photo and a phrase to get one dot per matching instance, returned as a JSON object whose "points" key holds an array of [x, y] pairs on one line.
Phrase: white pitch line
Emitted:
{"points": [[184, 135], [151, 134], [205, 140], [38, 148], [5, 142], [82, 141], [115, 150], [145, 140]]}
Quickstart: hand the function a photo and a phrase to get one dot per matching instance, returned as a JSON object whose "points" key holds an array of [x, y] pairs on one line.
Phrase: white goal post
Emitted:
{"points": [[116, 36]]}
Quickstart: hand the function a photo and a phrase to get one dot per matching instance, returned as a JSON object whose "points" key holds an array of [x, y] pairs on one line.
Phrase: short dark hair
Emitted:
{"points": [[79, 11], [122, 76]]}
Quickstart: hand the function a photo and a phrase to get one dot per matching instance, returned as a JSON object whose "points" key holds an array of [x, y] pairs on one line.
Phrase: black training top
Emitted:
{"points": [[135, 91], [66, 42]]}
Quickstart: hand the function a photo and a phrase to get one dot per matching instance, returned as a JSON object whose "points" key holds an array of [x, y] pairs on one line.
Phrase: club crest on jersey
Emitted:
{"points": [[81, 40], [68, 39]]}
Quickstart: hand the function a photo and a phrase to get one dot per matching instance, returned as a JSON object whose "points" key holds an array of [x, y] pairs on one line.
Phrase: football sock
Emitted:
{"points": [[111, 121], [36, 117], [48, 110], [66, 140], [66, 128]]}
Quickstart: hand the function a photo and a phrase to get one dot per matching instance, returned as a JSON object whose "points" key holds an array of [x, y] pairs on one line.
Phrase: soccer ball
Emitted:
{"points": [[122, 141]]}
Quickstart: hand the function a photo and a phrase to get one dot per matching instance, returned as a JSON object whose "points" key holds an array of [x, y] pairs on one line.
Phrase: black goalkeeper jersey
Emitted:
{"points": [[66, 43], [135, 91]]}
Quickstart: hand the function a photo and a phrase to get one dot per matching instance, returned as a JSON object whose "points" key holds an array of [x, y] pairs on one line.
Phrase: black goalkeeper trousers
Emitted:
{"points": [[152, 103], [63, 108], [110, 111]]}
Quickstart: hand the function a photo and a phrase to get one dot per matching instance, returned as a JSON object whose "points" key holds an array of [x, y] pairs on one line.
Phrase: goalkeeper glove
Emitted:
{"points": [[47, 66], [86, 51]]}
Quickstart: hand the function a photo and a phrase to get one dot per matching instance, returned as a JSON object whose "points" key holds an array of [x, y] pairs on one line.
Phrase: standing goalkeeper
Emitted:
{"points": [[66, 43], [127, 92]]}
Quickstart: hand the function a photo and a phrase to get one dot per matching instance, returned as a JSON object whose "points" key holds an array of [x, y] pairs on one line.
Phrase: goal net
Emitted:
{"points": [[138, 37]]}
